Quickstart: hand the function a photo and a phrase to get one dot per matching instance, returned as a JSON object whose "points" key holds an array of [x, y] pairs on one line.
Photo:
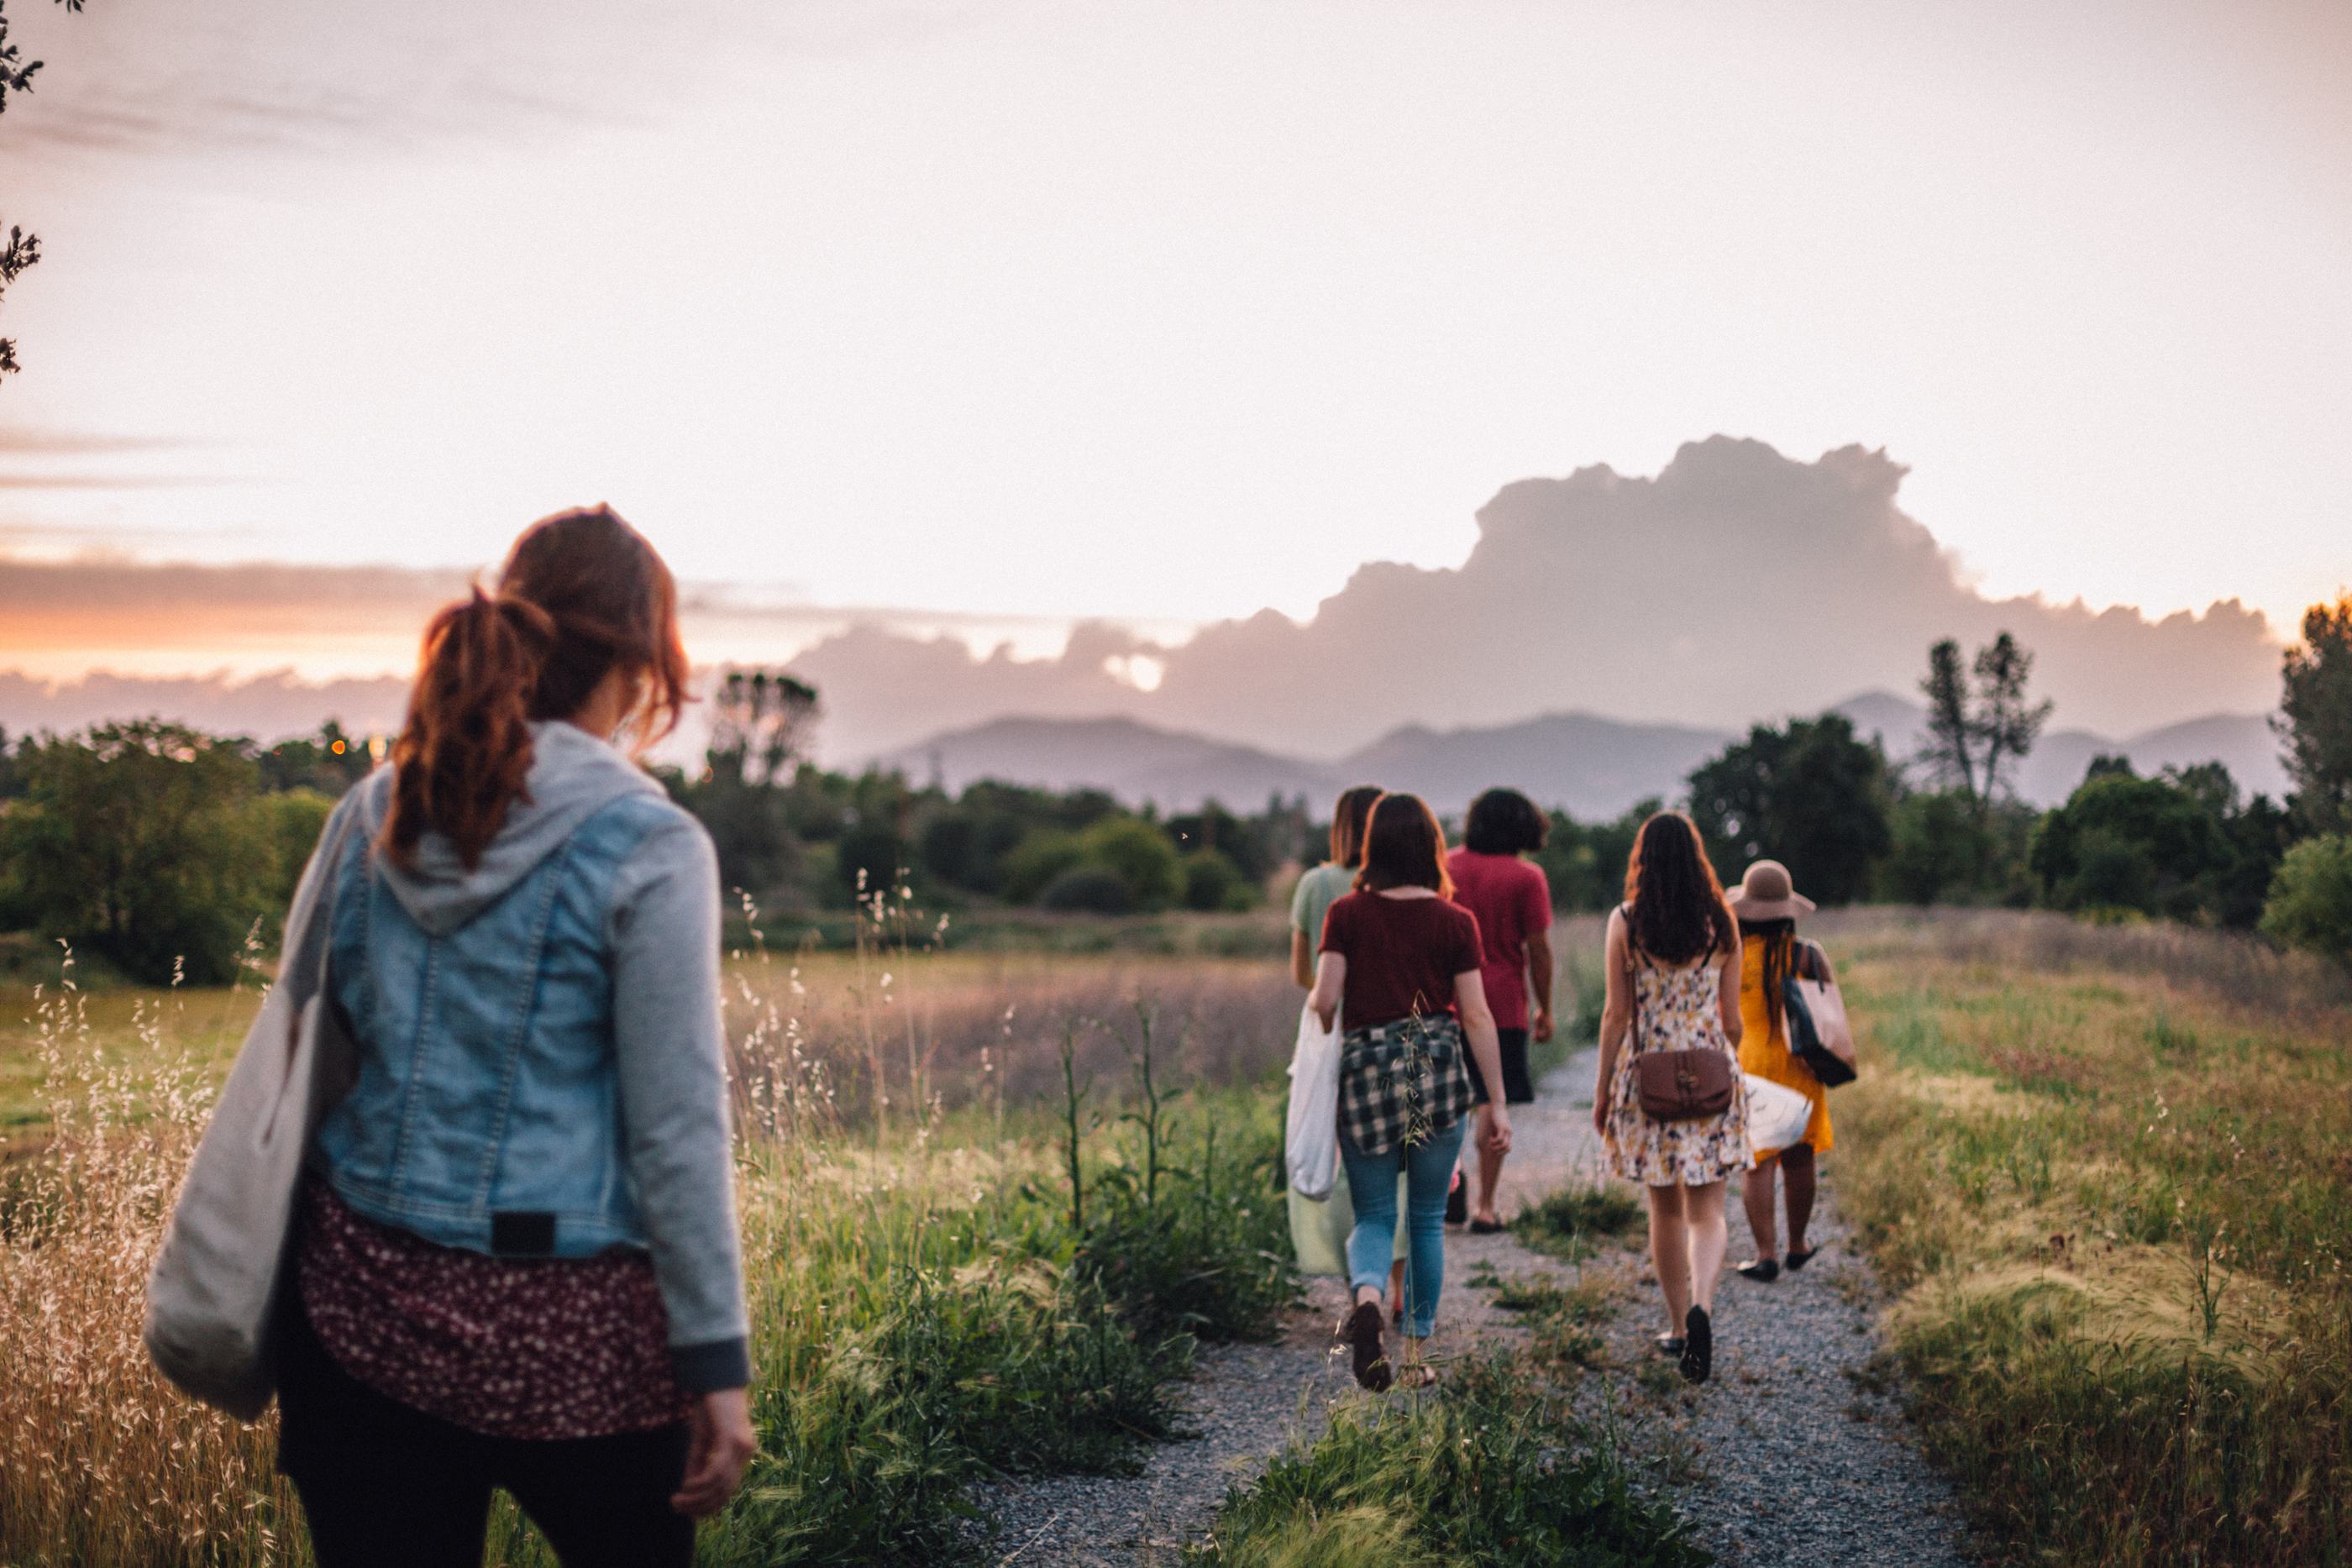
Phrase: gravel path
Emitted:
{"points": [[1794, 1454]]}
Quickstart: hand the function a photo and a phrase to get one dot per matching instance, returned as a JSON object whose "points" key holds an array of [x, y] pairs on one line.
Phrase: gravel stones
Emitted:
{"points": [[1794, 1452]]}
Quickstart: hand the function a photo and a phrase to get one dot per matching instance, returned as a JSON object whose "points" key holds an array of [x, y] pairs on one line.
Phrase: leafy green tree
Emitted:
{"points": [[137, 843], [1214, 828], [1809, 795], [2311, 900], [2177, 845], [1141, 856], [1950, 754], [1946, 850], [330, 763], [1585, 863], [2315, 719], [760, 722]]}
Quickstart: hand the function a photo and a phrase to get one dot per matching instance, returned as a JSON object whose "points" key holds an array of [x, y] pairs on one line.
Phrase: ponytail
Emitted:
{"points": [[464, 752]]}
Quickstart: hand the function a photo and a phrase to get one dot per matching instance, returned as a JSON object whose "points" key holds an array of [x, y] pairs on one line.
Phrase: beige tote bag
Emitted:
{"points": [[213, 1291]]}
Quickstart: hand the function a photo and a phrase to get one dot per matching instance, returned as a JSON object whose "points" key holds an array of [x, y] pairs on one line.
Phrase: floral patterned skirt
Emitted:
{"points": [[1660, 1153]]}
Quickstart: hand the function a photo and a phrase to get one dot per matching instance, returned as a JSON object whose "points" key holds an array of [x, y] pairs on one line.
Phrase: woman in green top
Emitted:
{"points": [[1333, 879]]}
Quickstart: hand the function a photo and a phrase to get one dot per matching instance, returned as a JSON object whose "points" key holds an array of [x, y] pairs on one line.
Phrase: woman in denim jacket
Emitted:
{"points": [[518, 1264]]}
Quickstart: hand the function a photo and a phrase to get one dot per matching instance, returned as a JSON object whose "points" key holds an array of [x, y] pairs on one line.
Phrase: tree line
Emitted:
{"points": [[171, 852]]}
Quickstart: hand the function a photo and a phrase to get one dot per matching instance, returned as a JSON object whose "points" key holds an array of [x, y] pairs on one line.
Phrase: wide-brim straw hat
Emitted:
{"points": [[1766, 893]]}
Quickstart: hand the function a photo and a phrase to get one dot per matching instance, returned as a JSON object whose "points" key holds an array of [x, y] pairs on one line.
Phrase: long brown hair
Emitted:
{"points": [[1404, 847], [1675, 909], [582, 593], [1347, 824], [1780, 939]]}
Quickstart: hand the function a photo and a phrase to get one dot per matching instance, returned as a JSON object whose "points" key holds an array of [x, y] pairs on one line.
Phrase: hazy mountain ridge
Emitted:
{"points": [[1591, 767]]}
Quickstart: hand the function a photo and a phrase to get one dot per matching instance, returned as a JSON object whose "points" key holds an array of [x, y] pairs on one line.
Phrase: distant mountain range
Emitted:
{"points": [[1590, 766]]}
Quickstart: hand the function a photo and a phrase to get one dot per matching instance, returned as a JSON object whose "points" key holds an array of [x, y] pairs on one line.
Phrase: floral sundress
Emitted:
{"points": [[1676, 1010]]}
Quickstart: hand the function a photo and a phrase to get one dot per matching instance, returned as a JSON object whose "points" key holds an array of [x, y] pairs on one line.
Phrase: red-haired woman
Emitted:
{"points": [[1674, 982], [518, 1264], [1401, 959]]}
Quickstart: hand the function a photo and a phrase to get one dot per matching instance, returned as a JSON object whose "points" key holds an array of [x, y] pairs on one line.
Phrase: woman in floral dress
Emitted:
{"points": [[1673, 985]]}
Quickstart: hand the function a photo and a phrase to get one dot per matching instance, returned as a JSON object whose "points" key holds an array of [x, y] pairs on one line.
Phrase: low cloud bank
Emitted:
{"points": [[1737, 584]]}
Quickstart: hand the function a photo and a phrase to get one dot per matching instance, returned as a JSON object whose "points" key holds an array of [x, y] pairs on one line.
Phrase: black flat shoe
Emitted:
{"points": [[1798, 1259], [1698, 1346], [1487, 1227], [1372, 1362], [1457, 1200], [1763, 1271], [1668, 1344]]}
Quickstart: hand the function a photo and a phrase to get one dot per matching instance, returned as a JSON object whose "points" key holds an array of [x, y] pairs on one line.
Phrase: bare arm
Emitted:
{"points": [[1331, 983], [1616, 1016], [1478, 1024], [1302, 959], [1726, 996], [1539, 965]]}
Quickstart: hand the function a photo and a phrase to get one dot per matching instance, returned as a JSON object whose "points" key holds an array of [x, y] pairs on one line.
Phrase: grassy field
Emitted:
{"points": [[2107, 1171], [930, 1304]]}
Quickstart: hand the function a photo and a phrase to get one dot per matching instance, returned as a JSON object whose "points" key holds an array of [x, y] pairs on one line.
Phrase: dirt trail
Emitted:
{"points": [[1783, 1458]]}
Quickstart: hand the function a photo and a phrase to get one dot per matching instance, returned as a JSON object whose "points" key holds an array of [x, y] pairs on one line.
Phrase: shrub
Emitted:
{"points": [[1212, 882], [1141, 854], [2310, 904], [1093, 889], [1569, 1222]]}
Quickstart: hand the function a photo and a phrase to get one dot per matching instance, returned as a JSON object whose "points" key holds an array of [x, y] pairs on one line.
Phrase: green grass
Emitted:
{"points": [[1574, 1221], [2114, 1197], [1491, 1469], [929, 1307]]}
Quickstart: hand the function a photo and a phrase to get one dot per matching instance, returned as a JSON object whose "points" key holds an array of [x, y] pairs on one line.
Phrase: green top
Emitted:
{"points": [[1317, 891]]}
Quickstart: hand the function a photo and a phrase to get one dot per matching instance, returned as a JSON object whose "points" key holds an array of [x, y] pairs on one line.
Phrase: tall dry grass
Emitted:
{"points": [[2106, 1167], [902, 1202], [101, 1462]]}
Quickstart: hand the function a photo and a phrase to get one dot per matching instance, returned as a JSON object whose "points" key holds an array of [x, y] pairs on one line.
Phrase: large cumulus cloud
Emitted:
{"points": [[1736, 583]]}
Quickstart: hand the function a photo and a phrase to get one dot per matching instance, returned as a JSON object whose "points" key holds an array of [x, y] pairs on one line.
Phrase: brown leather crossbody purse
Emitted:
{"points": [[1676, 1085]]}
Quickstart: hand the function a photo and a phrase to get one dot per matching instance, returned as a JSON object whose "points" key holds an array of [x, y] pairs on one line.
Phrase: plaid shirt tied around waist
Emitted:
{"points": [[1401, 1081]]}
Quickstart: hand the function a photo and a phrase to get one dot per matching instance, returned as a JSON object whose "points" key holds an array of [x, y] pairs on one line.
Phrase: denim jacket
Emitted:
{"points": [[541, 1063]]}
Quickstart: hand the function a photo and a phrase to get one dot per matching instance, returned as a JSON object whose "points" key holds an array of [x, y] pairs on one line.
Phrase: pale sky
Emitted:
{"points": [[1172, 311]]}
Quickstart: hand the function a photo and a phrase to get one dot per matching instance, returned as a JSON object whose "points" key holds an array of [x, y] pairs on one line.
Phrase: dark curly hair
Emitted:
{"points": [[1503, 823], [1674, 910]]}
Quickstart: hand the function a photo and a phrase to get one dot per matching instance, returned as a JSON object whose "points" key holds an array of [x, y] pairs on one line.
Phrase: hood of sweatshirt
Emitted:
{"points": [[572, 774]]}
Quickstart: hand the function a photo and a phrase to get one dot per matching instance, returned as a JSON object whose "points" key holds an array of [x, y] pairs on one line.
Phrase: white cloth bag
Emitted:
{"points": [[1311, 1135], [213, 1291], [1777, 1117]]}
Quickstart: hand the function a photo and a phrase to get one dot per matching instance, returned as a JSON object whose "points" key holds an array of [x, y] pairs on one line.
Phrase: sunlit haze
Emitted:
{"points": [[1161, 312]]}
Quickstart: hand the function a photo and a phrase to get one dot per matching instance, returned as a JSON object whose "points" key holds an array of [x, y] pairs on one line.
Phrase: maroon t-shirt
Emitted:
{"points": [[1513, 903], [1403, 954]]}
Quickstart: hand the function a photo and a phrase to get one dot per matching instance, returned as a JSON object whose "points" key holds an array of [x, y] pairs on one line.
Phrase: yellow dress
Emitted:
{"points": [[1764, 1047]]}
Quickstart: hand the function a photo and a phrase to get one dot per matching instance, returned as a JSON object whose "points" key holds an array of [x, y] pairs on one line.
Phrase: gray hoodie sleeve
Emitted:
{"points": [[664, 928]]}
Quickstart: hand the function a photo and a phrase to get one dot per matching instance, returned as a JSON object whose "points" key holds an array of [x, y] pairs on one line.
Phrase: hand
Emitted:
{"points": [[1324, 1013], [1600, 1115], [1542, 1030], [1498, 1129], [721, 1445]]}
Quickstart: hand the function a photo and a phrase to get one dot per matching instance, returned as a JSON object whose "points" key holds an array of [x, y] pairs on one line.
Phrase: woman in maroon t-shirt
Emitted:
{"points": [[1399, 966]]}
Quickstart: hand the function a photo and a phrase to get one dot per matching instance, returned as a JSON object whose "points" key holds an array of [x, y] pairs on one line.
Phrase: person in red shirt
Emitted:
{"points": [[1513, 905], [1401, 962]]}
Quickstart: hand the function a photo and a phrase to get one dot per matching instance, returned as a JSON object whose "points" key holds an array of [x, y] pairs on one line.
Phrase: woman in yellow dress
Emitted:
{"points": [[1768, 905]]}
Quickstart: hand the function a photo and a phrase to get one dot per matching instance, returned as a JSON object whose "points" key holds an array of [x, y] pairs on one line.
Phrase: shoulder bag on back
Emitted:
{"points": [[1675, 1085], [1819, 1035], [214, 1290]]}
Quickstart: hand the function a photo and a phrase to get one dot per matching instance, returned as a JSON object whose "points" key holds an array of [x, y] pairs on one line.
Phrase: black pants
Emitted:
{"points": [[384, 1484]]}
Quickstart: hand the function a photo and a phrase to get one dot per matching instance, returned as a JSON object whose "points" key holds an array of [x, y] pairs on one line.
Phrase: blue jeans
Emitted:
{"points": [[1371, 1189]]}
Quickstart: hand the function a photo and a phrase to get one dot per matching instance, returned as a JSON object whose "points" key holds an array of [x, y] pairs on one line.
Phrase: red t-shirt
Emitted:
{"points": [[1403, 954], [1513, 903]]}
